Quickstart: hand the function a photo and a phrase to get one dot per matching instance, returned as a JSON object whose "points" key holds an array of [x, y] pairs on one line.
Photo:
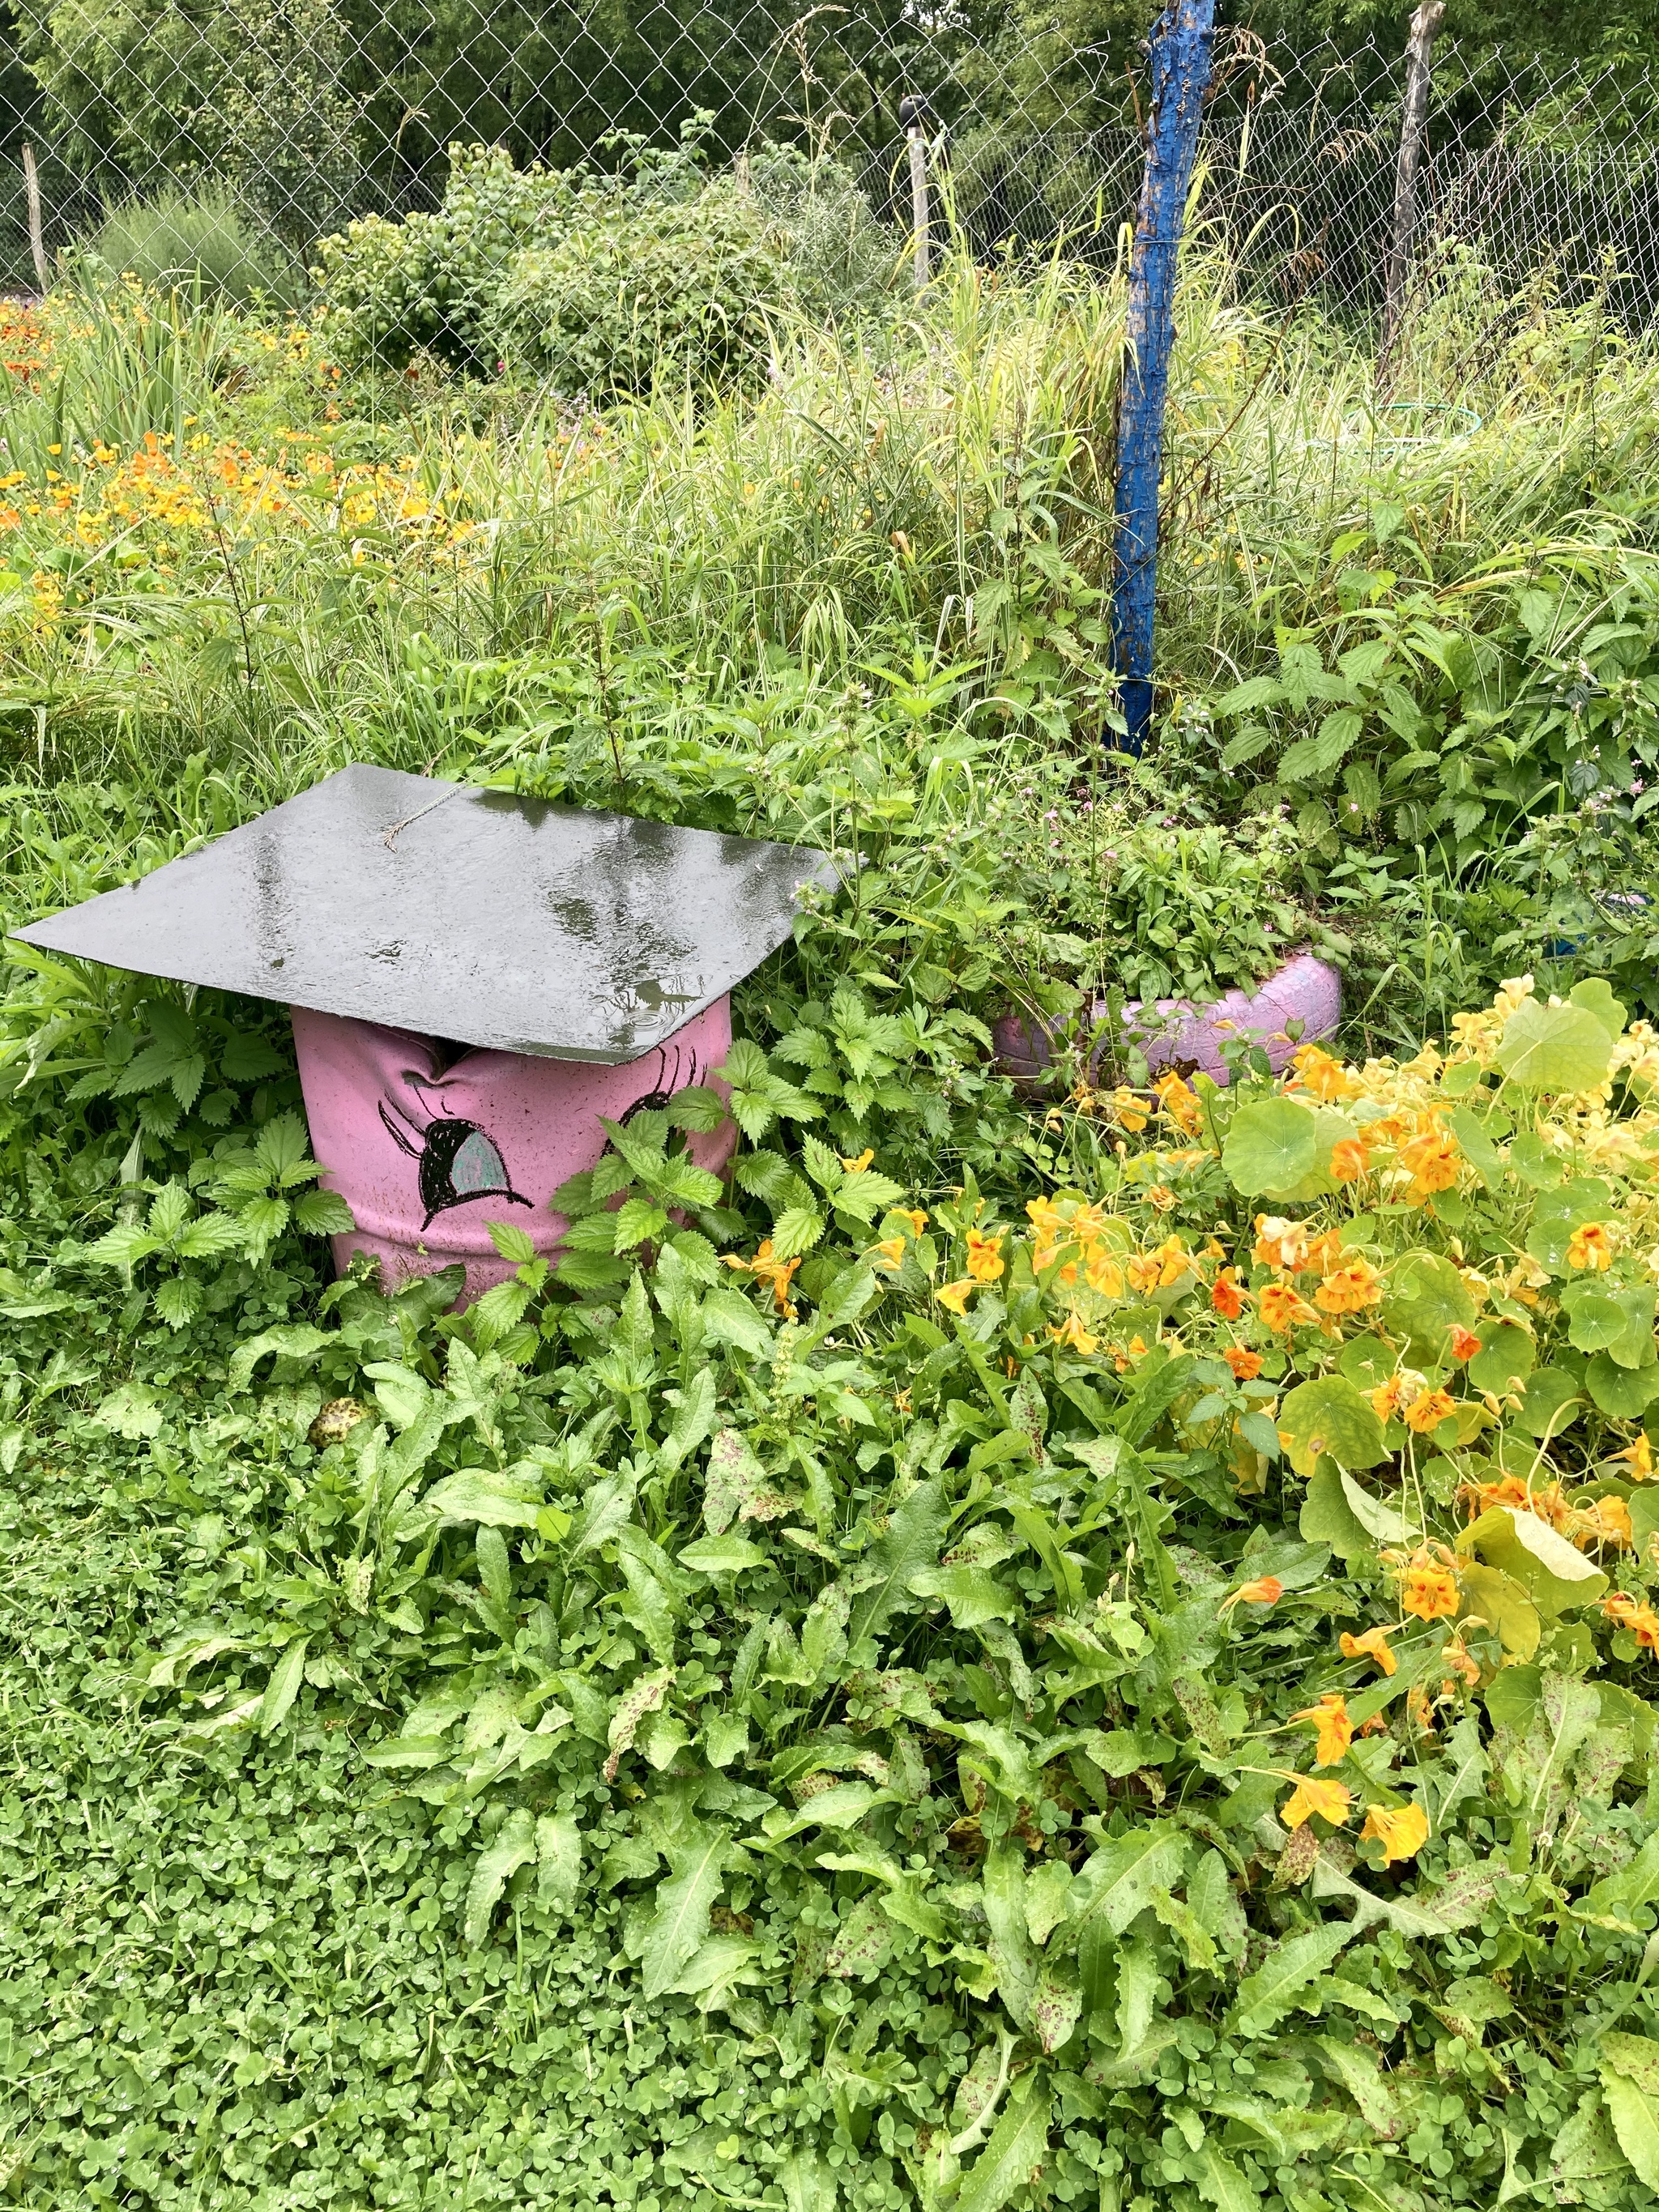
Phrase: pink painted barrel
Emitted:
{"points": [[427, 1144], [1174, 1032]]}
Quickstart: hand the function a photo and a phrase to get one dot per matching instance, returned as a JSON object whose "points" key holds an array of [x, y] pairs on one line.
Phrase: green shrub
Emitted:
{"points": [[603, 283], [186, 240]]}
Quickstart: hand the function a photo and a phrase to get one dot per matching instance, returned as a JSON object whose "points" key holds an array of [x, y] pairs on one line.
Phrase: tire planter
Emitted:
{"points": [[427, 1148], [1174, 1032]]}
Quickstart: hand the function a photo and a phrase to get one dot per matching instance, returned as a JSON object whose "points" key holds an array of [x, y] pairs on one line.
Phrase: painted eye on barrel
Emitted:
{"points": [[457, 1162], [651, 1102]]}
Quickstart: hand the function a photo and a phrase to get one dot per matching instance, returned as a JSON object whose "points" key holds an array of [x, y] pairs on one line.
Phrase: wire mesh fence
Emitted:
{"points": [[1537, 184]]}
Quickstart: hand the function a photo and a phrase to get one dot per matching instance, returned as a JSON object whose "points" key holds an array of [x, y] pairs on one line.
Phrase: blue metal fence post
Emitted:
{"points": [[1180, 75]]}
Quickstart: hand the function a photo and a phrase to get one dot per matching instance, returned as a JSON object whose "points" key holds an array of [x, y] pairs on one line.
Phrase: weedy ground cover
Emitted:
{"points": [[1094, 1651]]}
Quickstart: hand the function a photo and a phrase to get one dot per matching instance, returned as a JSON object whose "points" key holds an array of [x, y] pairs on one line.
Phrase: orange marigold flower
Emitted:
{"points": [[1246, 1366], [985, 1262], [1282, 1309], [1226, 1297], [1349, 1158], [1373, 1644], [1315, 1795], [1402, 1833], [1327, 1078], [1333, 1730], [1073, 1336], [1350, 1289], [1264, 1590], [1428, 1583], [1590, 1246], [953, 1297], [1428, 1411], [1464, 1343]]}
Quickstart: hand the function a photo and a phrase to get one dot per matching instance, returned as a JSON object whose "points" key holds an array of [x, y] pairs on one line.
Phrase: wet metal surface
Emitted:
{"points": [[472, 914]]}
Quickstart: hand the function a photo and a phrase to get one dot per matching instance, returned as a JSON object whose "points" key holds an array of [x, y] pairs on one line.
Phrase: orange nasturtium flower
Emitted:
{"points": [[1590, 1246], [1314, 1795], [1281, 1307], [765, 1269], [953, 1297], [1640, 1456], [1373, 1644], [1428, 1411], [1634, 1614], [1280, 1243], [1402, 1833], [985, 1262], [890, 1253], [1178, 1102], [1246, 1366], [1130, 1109], [1334, 1730], [858, 1166], [1316, 1071], [1431, 1158], [1073, 1336], [1604, 1520], [1350, 1289], [1226, 1296], [1349, 1158], [1103, 1275], [1428, 1583], [916, 1217], [1263, 1589], [1464, 1343]]}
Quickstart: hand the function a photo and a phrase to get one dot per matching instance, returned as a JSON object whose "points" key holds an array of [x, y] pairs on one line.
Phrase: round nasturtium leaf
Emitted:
{"points": [[1505, 1356], [1329, 1415], [1500, 1601], [1553, 1402], [1428, 1298], [1559, 1212], [1558, 1049], [1270, 1146], [1554, 1574], [1624, 1394]]}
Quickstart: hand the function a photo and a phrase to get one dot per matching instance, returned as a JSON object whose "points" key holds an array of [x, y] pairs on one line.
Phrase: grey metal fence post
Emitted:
{"points": [[913, 115], [1181, 77]]}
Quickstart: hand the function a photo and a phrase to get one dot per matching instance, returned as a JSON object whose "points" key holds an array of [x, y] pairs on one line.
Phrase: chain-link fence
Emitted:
{"points": [[1536, 184]]}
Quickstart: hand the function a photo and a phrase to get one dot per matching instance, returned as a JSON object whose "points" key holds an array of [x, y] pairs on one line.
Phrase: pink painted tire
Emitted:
{"points": [[1172, 1031], [427, 1154]]}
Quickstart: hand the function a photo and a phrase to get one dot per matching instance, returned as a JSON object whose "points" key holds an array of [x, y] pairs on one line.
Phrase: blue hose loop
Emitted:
{"points": [[1181, 77]]}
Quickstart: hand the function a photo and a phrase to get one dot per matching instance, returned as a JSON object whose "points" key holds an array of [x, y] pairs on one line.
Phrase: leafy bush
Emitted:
{"points": [[193, 241], [603, 283], [633, 291]]}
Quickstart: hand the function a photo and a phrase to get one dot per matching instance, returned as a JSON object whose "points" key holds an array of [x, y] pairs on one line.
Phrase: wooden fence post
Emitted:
{"points": [[37, 236], [913, 115], [1397, 267]]}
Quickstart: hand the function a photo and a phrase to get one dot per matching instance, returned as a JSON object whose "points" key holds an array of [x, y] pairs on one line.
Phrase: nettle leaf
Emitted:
{"points": [[1271, 1146], [1563, 1048]]}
